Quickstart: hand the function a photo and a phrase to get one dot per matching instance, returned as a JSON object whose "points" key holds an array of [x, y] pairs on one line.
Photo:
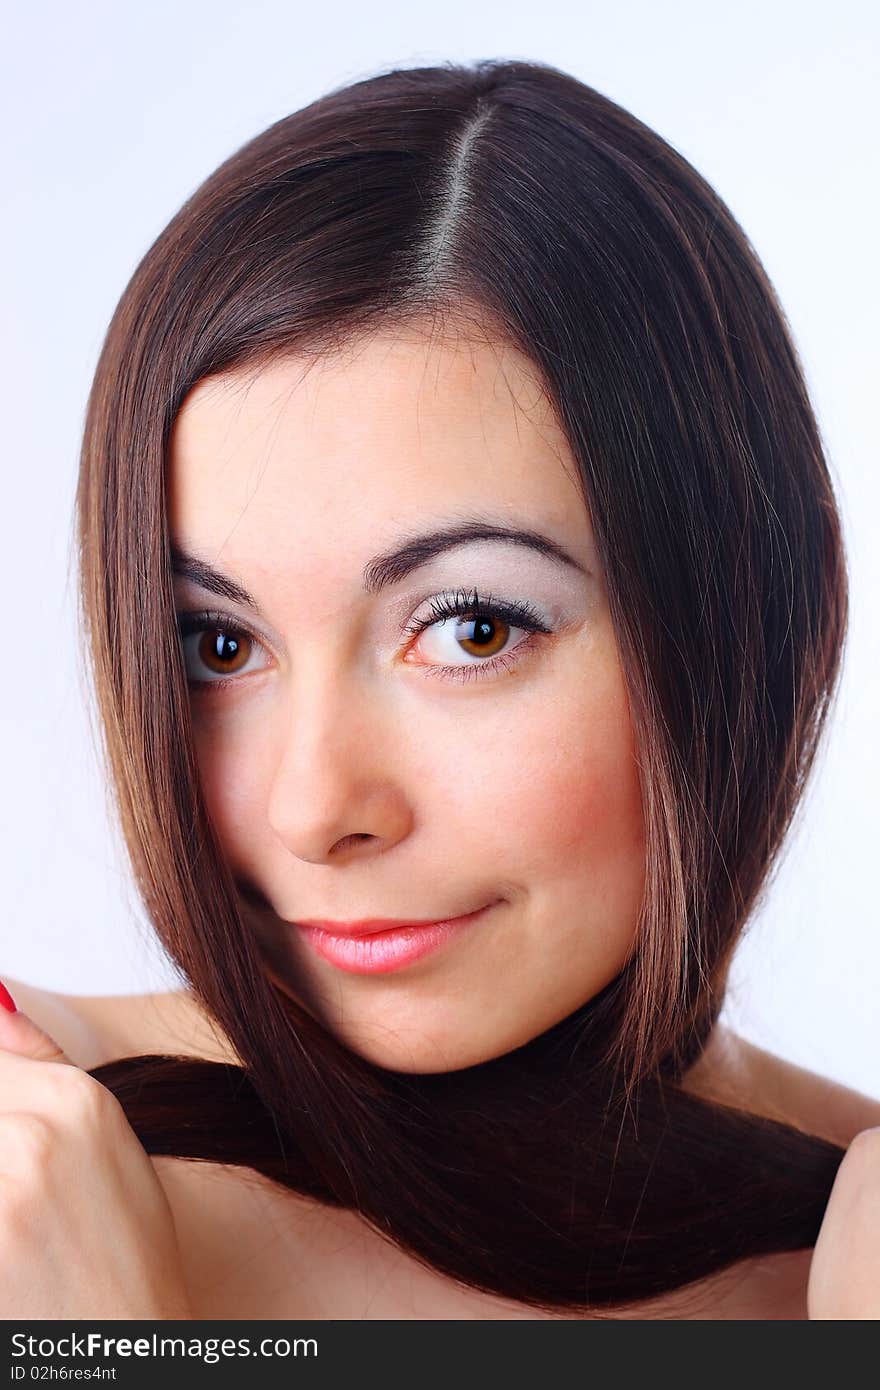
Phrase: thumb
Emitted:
{"points": [[20, 1034]]}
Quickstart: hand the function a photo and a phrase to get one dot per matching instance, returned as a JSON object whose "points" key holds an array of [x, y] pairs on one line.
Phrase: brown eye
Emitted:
{"points": [[482, 636], [479, 636], [215, 648], [464, 637], [223, 652]]}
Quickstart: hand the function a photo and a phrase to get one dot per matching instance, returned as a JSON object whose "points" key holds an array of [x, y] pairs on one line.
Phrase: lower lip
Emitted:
{"points": [[382, 951]]}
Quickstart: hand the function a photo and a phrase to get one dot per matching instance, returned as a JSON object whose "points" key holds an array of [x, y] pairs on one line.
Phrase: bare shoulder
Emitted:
{"points": [[93, 1029], [738, 1072]]}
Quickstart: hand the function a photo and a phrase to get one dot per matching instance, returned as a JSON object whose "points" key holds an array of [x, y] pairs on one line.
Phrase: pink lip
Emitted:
{"points": [[363, 948], [367, 926]]}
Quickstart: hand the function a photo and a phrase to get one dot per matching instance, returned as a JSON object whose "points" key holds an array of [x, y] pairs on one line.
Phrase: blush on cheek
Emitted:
{"points": [[574, 809], [578, 818]]}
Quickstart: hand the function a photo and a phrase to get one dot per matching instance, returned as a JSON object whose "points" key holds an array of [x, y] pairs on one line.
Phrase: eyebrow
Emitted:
{"points": [[392, 566]]}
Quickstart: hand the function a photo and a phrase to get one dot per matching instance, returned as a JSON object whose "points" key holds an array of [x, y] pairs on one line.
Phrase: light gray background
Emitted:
{"points": [[115, 113]]}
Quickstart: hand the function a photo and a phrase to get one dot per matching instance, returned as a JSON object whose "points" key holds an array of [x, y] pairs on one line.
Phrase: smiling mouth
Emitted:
{"points": [[380, 950], [370, 926]]}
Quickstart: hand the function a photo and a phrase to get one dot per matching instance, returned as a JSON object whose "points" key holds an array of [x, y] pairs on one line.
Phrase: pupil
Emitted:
{"points": [[483, 630], [225, 647]]}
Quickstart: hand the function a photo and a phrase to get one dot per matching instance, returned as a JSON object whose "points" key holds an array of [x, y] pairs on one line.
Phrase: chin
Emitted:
{"points": [[425, 1054]]}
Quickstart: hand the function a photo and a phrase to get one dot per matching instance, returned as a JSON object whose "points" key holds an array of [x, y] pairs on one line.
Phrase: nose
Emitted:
{"points": [[337, 789]]}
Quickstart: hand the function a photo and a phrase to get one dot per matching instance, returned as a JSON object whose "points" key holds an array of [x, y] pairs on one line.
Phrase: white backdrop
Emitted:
{"points": [[115, 113]]}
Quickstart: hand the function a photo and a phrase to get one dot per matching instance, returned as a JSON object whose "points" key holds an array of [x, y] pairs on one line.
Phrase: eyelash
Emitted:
{"points": [[462, 604], [458, 604]]}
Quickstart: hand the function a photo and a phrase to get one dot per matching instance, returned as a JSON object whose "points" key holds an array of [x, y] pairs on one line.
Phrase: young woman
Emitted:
{"points": [[466, 598]]}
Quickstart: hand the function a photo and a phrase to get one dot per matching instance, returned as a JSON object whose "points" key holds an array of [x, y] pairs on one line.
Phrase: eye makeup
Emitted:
{"points": [[465, 608], [484, 615]]}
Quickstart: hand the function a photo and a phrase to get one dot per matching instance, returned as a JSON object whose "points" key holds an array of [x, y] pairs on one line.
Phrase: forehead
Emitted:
{"points": [[399, 425]]}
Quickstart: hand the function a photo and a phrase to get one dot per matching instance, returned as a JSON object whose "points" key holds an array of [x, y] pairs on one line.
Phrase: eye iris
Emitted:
{"points": [[486, 635], [223, 647]]}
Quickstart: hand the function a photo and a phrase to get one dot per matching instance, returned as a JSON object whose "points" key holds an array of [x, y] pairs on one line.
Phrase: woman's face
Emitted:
{"points": [[355, 770]]}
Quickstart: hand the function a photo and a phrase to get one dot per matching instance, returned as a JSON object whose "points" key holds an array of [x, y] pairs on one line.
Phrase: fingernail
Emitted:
{"points": [[7, 1000]]}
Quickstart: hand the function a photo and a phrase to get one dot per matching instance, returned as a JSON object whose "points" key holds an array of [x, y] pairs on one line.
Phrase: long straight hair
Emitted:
{"points": [[574, 1174]]}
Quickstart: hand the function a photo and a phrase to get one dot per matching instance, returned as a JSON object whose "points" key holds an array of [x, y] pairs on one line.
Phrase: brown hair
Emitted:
{"points": [[574, 1173]]}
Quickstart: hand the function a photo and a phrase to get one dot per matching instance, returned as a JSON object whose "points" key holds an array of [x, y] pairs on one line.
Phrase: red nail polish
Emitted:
{"points": [[7, 1000]]}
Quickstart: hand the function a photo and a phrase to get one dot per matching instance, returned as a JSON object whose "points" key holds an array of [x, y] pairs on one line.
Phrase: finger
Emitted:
{"points": [[21, 1035], [844, 1277]]}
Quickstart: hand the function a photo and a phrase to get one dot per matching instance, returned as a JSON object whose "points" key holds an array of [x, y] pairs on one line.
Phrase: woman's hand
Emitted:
{"points": [[844, 1277], [86, 1230]]}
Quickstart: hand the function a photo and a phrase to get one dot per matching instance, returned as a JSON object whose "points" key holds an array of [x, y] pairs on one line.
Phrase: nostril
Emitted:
{"points": [[350, 840]]}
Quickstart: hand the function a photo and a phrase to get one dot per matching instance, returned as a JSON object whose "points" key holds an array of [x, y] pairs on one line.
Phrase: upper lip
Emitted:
{"points": [[370, 925]]}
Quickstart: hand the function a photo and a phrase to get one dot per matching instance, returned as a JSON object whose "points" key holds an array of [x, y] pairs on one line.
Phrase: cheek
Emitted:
{"points": [[558, 795], [585, 806], [233, 783]]}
